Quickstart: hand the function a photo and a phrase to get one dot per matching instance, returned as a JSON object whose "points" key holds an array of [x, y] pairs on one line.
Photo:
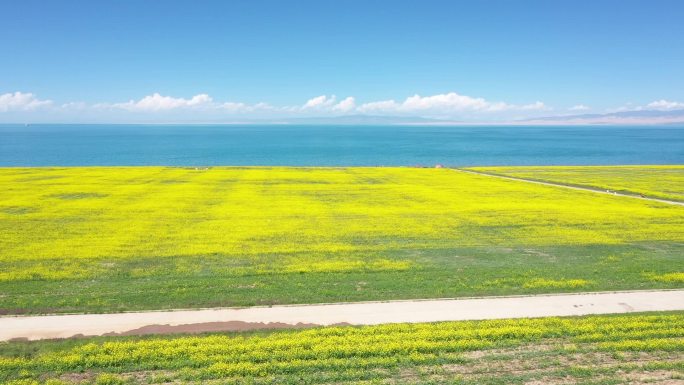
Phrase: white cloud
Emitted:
{"points": [[579, 107], [203, 107], [346, 105], [157, 102], [20, 101], [234, 107], [657, 105], [664, 105], [319, 102], [325, 104], [74, 106], [537, 106], [449, 103], [381, 106]]}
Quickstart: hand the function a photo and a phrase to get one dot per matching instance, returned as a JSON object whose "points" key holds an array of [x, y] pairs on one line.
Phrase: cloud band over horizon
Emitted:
{"points": [[447, 106]]}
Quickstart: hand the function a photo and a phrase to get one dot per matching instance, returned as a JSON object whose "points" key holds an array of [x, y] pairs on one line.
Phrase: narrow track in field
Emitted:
{"points": [[572, 187], [360, 313]]}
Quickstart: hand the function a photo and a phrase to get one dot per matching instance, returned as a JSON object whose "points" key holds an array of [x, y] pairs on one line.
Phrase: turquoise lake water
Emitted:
{"points": [[310, 145]]}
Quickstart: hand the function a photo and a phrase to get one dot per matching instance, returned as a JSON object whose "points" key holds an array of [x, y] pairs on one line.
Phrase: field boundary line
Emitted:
{"points": [[567, 186]]}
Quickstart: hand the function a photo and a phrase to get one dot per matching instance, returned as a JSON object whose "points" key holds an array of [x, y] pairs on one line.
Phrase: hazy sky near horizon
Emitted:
{"points": [[226, 60]]}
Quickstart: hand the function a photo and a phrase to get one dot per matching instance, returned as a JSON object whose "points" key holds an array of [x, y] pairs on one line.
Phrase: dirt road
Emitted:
{"points": [[363, 313]]}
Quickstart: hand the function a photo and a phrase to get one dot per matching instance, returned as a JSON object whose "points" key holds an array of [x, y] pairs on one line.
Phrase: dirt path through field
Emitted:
{"points": [[362, 313], [592, 189]]}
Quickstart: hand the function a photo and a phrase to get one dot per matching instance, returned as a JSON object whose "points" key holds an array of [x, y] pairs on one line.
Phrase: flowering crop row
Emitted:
{"points": [[348, 348]]}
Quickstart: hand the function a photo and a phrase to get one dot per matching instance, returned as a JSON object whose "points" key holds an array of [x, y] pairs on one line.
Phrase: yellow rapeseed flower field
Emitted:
{"points": [[245, 228], [134, 212]]}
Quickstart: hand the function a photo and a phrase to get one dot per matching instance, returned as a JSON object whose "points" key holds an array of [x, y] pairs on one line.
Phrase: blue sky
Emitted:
{"points": [[227, 60]]}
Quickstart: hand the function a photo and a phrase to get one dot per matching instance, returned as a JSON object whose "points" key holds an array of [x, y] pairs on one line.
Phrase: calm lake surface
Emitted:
{"points": [[311, 145]]}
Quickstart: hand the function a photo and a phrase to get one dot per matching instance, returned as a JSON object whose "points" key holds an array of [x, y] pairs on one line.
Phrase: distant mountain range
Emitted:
{"points": [[639, 117], [363, 119], [623, 117], [635, 117]]}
